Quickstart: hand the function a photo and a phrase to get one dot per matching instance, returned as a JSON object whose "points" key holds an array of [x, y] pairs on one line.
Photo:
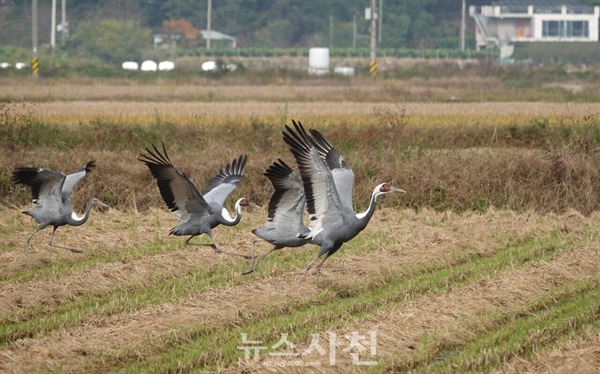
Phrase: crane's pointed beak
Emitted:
{"points": [[394, 189], [254, 205], [101, 204]]}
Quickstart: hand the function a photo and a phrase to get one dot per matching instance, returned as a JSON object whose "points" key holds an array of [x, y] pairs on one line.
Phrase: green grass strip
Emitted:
{"points": [[523, 336], [434, 354], [209, 348], [66, 268]]}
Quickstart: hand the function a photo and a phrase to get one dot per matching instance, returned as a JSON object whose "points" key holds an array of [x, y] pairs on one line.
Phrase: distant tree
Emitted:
{"points": [[408, 23], [192, 10], [113, 40], [189, 35]]}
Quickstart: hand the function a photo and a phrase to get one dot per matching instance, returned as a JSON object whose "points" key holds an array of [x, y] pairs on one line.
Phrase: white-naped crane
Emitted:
{"points": [[328, 183], [51, 193], [198, 213], [285, 226]]}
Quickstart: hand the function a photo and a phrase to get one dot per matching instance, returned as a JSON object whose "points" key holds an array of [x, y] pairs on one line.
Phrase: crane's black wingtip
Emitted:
{"points": [[154, 157], [89, 165], [237, 166], [299, 127], [242, 161], [24, 175], [297, 138]]}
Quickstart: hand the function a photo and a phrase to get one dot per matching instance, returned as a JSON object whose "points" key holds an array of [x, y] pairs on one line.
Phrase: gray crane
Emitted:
{"points": [[328, 183], [285, 226], [51, 193], [198, 212]]}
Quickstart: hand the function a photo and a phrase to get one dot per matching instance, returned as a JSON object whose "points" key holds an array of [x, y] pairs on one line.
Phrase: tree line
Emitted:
{"points": [[113, 29]]}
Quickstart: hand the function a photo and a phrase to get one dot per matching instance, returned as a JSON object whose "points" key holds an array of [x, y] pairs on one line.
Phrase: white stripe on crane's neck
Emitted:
{"points": [[226, 215], [361, 215], [376, 193], [75, 217]]}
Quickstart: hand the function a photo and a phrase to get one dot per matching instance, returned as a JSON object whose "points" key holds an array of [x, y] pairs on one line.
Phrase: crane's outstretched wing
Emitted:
{"points": [[72, 179], [322, 199], [45, 186], [225, 181], [342, 173], [176, 189], [286, 206]]}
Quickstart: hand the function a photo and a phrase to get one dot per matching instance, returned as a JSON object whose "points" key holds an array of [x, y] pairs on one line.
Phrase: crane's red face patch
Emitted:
{"points": [[385, 187], [244, 202]]}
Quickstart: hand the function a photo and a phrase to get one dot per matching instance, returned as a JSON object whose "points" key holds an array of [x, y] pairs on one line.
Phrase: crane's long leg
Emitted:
{"points": [[265, 255], [319, 268], [253, 262], [58, 246], [29, 239], [261, 257], [310, 264], [215, 247]]}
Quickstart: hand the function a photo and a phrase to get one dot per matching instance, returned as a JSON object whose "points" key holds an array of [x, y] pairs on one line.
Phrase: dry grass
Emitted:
{"points": [[473, 162], [103, 339], [580, 356], [198, 112], [359, 90]]}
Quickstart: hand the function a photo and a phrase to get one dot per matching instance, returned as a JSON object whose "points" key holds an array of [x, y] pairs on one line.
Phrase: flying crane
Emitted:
{"points": [[198, 213], [51, 193], [328, 183], [285, 226]]}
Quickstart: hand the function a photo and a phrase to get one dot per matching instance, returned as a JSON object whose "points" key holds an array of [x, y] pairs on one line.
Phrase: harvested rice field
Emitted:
{"points": [[427, 291], [489, 263]]}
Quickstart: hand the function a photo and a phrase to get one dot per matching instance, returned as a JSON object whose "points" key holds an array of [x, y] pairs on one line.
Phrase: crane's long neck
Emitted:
{"points": [[78, 221], [364, 217], [227, 220]]}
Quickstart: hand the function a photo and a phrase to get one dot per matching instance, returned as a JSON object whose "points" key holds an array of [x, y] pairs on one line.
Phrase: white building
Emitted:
{"points": [[514, 21]]}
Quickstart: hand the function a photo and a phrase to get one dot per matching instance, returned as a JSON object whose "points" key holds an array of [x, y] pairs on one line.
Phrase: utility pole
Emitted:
{"points": [[34, 37], [380, 18], [354, 32], [208, 18], [373, 64], [330, 31], [53, 27], [462, 26], [63, 19]]}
